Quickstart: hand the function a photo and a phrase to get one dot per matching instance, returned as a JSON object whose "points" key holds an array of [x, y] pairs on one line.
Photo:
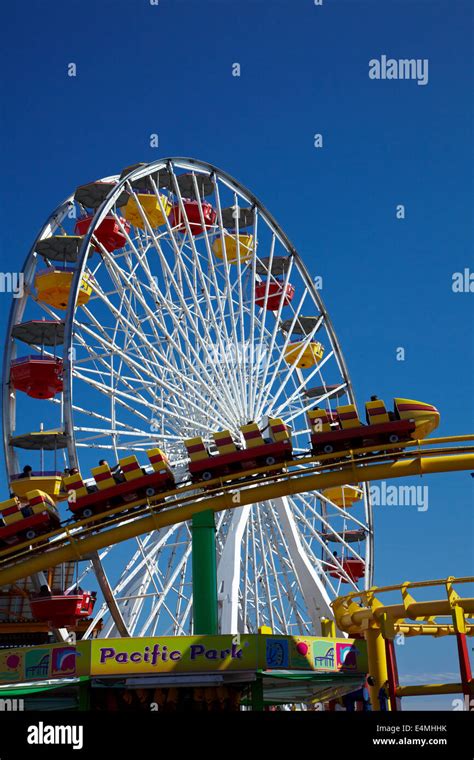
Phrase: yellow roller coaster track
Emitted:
{"points": [[391, 619], [362, 613], [83, 537]]}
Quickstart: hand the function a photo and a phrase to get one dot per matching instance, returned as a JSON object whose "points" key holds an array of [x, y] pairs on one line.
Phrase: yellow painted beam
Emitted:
{"points": [[352, 617], [408, 584], [429, 689], [377, 663], [431, 629], [266, 474], [290, 483], [424, 609]]}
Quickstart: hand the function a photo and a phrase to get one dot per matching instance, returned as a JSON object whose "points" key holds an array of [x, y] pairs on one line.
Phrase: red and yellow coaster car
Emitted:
{"points": [[342, 430], [231, 459], [24, 522], [126, 484]]}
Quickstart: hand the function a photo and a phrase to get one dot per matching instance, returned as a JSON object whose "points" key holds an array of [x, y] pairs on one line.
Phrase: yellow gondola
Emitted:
{"points": [[342, 496], [49, 483], [151, 209], [53, 287], [245, 245], [311, 355]]}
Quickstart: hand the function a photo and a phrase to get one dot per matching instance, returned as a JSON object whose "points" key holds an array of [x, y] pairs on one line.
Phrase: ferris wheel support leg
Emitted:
{"points": [[204, 573], [228, 571], [104, 584], [314, 593]]}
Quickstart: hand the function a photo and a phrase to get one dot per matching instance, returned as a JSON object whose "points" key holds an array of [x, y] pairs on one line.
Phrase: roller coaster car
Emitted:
{"points": [[409, 420], [19, 523], [110, 493], [62, 610], [231, 459]]}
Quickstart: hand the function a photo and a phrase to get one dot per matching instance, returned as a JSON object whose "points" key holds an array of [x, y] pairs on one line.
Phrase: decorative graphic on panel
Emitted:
{"points": [[37, 664], [11, 667], [64, 661], [349, 657], [300, 656], [277, 653], [323, 654]]}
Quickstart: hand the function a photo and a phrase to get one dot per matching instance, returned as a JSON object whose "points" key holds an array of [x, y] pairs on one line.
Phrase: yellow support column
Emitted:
{"points": [[328, 627], [377, 662]]}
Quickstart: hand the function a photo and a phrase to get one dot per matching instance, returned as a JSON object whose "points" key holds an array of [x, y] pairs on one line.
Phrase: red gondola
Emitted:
{"points": [[192, 211], [109, 232], [62, 609], [277, 292], [354, 568], [36, 376]]}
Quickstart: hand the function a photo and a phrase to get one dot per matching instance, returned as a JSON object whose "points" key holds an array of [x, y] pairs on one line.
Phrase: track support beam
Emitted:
{"points": [[204, 573]]}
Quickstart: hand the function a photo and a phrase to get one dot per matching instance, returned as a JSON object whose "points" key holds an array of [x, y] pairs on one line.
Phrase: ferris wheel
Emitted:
{"points": [[166, 303]]}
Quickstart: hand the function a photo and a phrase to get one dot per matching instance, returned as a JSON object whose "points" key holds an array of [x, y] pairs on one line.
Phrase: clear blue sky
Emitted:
{"points": [[167, 69]]}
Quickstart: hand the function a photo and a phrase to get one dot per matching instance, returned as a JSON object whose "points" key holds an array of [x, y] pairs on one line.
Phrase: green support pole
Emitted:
{"points": [[84, 695], [204, 573], [257, 699]]}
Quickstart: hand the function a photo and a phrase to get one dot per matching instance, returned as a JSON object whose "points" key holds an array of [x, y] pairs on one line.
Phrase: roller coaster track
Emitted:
{"points": [[355, 616], [365, 613], [80, 539]]}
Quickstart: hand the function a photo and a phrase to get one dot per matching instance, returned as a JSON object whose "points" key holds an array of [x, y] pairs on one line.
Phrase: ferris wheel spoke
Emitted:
{"points": [[309, 404], [190, 365], [265, 385], [150, 578], [134, 587], [203, 322], [265, 565], [156, 541], [220, 327], [289, 371], [313, 591], [119, 397], [228, 288], [132, 395], [96, 415], [239, 279], [140, 369], [103, 338], [287, 567], [161, 602], [274, 574]]}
